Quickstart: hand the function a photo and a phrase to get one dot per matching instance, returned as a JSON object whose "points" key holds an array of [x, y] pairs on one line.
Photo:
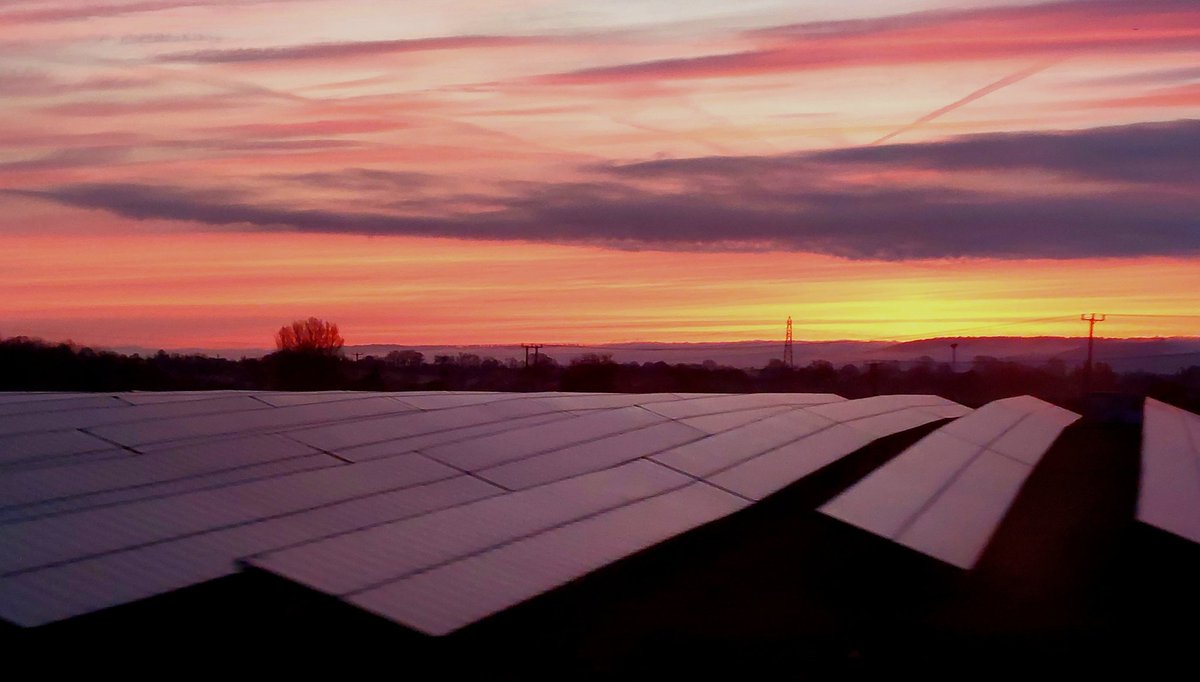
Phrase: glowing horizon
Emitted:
{"points": [[436, 295]]}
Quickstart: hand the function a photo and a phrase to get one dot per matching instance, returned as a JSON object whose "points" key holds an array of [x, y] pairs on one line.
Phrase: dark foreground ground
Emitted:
{"points": [[1069, 581]]}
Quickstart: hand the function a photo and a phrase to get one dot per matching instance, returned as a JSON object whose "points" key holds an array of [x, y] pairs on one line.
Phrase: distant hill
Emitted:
{"points": [[1124, 355], [1148, 354], [1153, 354], [734, 354]]}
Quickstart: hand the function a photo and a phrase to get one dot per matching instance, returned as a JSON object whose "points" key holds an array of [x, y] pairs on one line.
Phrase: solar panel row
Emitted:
{"points": [[183, 485], [1169, 496], [442, 571], [946, 494], [438, 509]]}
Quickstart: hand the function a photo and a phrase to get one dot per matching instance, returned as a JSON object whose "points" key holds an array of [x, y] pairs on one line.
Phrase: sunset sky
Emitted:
{"points": [[196, 173]]}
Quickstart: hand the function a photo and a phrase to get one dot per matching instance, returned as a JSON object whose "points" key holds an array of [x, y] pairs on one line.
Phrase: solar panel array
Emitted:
{"points": [[477, 559], [946, 494], [433, 509], [1169, 497]]}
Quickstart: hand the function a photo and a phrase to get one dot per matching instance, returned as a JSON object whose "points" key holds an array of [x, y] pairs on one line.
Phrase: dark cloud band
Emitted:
{"points": [[1124, 191]]}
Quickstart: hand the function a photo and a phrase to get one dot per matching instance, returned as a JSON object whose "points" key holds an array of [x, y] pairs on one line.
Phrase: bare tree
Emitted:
{"points": [[310, 336]]}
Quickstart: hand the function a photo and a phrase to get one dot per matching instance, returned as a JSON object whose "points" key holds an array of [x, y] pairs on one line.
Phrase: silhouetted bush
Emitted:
{"points": [[312, 336]]}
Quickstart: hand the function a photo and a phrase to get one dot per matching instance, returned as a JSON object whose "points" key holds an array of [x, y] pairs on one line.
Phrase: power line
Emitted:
{"points": [[665, 347], [1164, 315], [936, 334], [919, 336], [1151, 356], [743, 345]]}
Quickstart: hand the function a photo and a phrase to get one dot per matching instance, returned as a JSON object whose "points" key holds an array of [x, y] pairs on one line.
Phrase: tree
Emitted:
{"points": [[309, 356], [405, 358], [313, 336], [592, 359]]}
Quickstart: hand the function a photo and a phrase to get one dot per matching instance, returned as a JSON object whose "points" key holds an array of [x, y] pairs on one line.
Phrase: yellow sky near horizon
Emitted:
{"points": [[171, 289]]}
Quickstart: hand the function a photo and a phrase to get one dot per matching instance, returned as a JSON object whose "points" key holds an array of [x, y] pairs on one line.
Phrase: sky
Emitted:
{"points": [[197, 173]]}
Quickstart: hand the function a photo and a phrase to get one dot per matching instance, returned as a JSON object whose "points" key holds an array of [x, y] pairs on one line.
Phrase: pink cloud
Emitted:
{"points": [[344, 50], [1180, 96], [1052, 30], [146, 106], [39, 84], [77, 11], [307, 128]]}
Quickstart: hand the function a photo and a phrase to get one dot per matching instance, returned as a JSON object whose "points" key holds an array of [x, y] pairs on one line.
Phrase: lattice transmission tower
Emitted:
{"points": [[788, 359]]}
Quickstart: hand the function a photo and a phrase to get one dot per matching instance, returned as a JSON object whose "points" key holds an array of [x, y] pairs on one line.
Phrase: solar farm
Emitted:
{"points": [[595, 522]]}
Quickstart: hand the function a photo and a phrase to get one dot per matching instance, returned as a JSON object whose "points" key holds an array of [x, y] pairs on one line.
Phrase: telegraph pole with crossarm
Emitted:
{"points": [[1087, 367]]}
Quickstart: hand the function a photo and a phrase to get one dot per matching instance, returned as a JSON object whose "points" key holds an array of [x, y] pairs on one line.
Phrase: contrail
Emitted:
{"points": [[981, 92]]}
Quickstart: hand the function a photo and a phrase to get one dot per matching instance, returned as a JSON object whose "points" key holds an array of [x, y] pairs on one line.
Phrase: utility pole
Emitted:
{"points": [[1087, 367], [357, 356], [535, 347], [789, 359], [954, 356]]}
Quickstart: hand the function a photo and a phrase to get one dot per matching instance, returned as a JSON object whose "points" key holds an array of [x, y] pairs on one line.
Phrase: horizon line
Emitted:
{"points": [[599, 344]]}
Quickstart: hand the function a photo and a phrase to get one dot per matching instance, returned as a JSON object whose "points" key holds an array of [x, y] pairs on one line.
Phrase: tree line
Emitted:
{"points": [[33, 365]]}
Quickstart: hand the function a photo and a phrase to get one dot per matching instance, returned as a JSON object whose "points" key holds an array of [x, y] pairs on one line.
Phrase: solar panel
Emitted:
{"points": [[445, 598], [597, 401], [364, 453], [123, 413], [22, 397], [67, 589], [156, 397], [591, 456], [38, 446], [984, 426], [358, 561], [57, 402], [64, 460], [40, 542], [287, 399], [725, 449], [38, 485], [480, 453], [905, 418], [380, 483], [440, 401], [348, 434], [183, 428], [773, 470], [714, 404], [168, 488], [866, 407], [1169, 496], [946, 494], [956, 525], [1036, 434], [723, 421]]}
